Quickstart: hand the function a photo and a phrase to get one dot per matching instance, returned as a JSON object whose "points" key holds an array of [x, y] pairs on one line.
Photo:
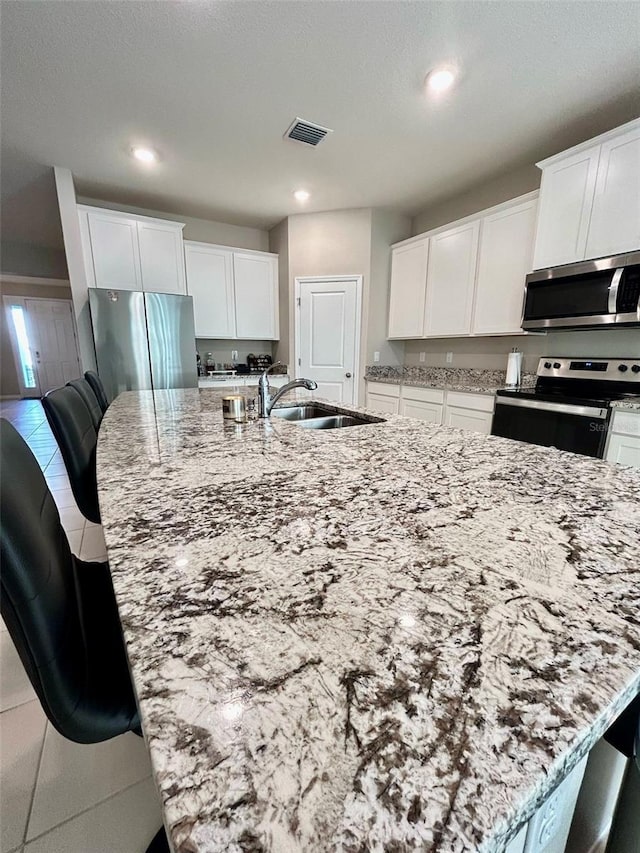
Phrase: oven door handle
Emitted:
{"points": [[613, 290], [561, 408]]}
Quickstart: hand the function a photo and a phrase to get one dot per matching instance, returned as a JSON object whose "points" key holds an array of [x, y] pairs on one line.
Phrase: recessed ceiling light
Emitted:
{"points": [[301, 195], [441, 79], [145, 155]]}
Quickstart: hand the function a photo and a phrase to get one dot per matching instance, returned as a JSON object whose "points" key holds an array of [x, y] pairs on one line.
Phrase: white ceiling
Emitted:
{"points": [[214, 85]]}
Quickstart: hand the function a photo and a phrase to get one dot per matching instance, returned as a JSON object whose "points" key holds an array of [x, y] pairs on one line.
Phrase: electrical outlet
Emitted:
{"points": [[376, 356], [234, 355], [423, 357], [449, 358]]}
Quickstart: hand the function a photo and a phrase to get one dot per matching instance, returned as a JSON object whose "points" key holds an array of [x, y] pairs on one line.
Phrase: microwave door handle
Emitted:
{"points": [[613, 291]]}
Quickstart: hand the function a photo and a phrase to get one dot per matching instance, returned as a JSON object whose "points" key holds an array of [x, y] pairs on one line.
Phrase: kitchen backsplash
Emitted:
{"points": [[221, 350], [491, 353]]}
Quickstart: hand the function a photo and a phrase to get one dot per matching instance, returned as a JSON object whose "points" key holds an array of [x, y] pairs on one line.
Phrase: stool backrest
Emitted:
{"points": [[98, 389], [91, 401], [74, 430]]}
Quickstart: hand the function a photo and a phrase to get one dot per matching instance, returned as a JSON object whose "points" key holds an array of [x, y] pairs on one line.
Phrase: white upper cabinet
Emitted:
{"points": [[408, 289], [450, 281], [126, 252], [161, 257], [506, 245], [235, 293], [590, 200], [113, 251], [210, 283], [566, 198], [256, 295], [615, 220]]}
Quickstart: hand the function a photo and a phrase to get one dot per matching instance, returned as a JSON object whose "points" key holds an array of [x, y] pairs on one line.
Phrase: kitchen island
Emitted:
{"points": [[391, 637]]}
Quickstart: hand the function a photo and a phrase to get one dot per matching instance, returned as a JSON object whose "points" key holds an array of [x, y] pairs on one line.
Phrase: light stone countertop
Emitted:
{"points": [[630, 404], [468, 380], [395, 637]]}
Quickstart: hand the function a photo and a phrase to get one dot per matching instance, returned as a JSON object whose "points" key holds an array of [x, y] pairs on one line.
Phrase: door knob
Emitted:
{"points": [[348, 375]]}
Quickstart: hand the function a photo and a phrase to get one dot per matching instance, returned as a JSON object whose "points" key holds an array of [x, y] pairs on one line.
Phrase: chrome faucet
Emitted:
{"points": [[266, 402]]}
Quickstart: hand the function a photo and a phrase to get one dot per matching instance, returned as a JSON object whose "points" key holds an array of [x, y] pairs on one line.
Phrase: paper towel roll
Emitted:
{"points": [[514, 363]]}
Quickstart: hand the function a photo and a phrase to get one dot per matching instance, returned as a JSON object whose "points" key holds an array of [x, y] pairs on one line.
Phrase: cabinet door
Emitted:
{"points": [[468, 419], [566, 199], [161, 257], [210, 282], [382, 403], [506, 247], [256, 296], [116, 256], [431, 412], [624, 449], [450, 281], [408, 289], [615, 220]]}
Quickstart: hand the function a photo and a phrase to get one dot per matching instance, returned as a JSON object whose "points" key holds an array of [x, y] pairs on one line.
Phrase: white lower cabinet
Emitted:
{"points": [[384, 398], [426, 404], [457, 409], [624, 439], [469, 411]]}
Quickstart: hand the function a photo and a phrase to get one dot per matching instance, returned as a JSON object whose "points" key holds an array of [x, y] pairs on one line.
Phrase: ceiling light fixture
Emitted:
{"points": [[145, 155], [301, 195], [441, 79]]}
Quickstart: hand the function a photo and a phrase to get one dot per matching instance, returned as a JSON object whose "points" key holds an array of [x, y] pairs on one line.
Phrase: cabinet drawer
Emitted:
{"points": [[468, 419], [381, 389], [423, 395], [382, 403], [431, 412], [624, 449], [478, 402], [626, 423]]}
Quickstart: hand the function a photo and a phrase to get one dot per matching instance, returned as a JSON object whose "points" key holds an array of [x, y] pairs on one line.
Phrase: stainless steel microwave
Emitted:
{"points": [[589, 294]]}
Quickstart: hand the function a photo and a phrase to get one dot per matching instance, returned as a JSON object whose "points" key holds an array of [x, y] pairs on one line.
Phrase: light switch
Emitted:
{"points": [[376, 356], [234, 355], [423, 357], [449, 358]]}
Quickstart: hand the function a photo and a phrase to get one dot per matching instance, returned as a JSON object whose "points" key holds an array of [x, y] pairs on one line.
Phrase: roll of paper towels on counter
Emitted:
{"points": [[514, 366]]}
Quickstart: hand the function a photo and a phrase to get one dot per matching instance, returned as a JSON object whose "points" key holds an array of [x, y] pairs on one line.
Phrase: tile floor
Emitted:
{"points": [[57, 796]]}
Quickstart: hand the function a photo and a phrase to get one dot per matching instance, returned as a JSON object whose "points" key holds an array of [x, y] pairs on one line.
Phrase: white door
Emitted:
{"points": [[161, 257], [328, 335], [256, 296], [115, 251], [210, 283], [408, 289], [615, 220], [506, 246], [566, 199], [450, 281], [52, 339]]}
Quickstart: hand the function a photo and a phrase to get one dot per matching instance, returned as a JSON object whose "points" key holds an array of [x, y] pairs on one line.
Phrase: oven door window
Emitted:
{"points": [[575, 433], [574, 296]]}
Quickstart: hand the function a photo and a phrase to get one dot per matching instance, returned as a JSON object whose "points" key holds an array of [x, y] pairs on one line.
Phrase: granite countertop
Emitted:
{"points": [[470, 380], [631, 404], [396, 637]]}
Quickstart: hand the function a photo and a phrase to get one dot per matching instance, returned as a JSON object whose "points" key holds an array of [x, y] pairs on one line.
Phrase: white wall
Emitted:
{"points": [[204, 230], [333, 243], [479, 197], [279, 243], [387, 227]]}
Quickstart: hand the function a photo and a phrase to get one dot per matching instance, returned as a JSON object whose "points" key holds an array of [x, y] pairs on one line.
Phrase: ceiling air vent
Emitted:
{"points": [[306, 132]]}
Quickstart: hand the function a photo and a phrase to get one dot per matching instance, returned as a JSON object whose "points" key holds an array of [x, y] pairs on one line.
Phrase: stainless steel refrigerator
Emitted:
{"points": [[143, 340]]}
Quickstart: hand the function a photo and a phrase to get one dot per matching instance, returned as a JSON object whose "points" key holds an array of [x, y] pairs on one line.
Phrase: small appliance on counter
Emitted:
{"points": [[570, 405], [258, 363]]}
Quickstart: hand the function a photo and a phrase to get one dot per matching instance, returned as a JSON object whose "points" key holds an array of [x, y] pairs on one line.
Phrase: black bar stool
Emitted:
{"points": [[98, 389], [90, 400]]}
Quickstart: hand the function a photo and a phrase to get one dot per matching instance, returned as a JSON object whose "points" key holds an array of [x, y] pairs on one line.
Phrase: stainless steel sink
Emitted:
{"points": [[301, 413], [338, 422], [315, 416]]}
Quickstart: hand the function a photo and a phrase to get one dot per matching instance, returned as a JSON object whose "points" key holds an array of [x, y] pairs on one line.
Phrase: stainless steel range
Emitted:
{"points": [[570, 405]]}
